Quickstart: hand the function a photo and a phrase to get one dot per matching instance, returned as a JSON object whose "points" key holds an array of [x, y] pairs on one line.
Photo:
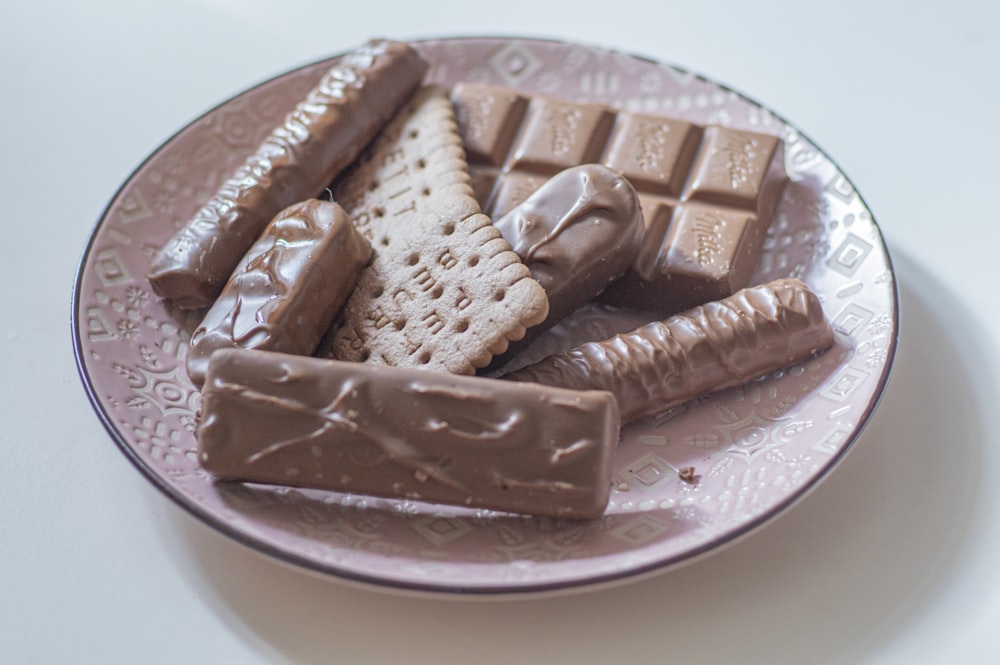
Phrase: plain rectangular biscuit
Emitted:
{"points": [[444, 290]]}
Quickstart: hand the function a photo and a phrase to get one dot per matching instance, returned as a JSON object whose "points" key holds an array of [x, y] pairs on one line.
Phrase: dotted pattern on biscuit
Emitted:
{"points": [[444, 290]]}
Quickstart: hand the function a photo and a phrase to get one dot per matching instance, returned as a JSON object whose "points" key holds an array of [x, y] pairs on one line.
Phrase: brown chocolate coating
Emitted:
{"points": [[681, 171], [407, 433], [715, 346], [577, 233], [711, 236], [320, 137], [707, 253], [289, 288]]}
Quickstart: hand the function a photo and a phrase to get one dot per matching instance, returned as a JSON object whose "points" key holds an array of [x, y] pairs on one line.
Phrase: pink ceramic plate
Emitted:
{"points": [[755, 450]]}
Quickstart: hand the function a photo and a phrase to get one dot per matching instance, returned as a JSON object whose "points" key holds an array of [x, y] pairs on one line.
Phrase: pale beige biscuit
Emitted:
{"points": [[444, 290]]}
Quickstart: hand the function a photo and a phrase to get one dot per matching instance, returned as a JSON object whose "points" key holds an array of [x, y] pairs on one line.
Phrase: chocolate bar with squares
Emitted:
{"points": [[708, 192]]}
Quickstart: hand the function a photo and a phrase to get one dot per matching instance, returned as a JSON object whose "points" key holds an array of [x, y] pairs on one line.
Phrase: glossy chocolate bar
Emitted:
{"points": [[707, 192], [289, 288], [320, 137], [577, 233], [407, 433], [717, 345]]}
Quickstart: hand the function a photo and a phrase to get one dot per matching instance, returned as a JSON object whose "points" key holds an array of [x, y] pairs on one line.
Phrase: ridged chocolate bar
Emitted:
{"points": [[717, 345], [407, 433], [707, 192], [319, 138]]}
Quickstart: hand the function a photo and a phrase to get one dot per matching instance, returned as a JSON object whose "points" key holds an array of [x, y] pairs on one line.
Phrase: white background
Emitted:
{"points": [[893, 559]]}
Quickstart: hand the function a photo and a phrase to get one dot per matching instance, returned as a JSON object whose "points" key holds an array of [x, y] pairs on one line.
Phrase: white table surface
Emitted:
{"points": [[893, 559]]}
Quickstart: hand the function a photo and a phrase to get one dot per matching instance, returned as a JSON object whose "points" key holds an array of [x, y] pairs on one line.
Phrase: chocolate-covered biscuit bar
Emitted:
{"points": [[577, 233], [717, 345], [321, 136], [289, 287], [407, 433], [707, 192]]}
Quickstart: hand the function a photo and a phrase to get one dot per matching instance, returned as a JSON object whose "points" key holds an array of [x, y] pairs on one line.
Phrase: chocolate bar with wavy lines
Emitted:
{"points": [[323, 134], [407, 433], [718, 345], [708, 192], [289, 287]]}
